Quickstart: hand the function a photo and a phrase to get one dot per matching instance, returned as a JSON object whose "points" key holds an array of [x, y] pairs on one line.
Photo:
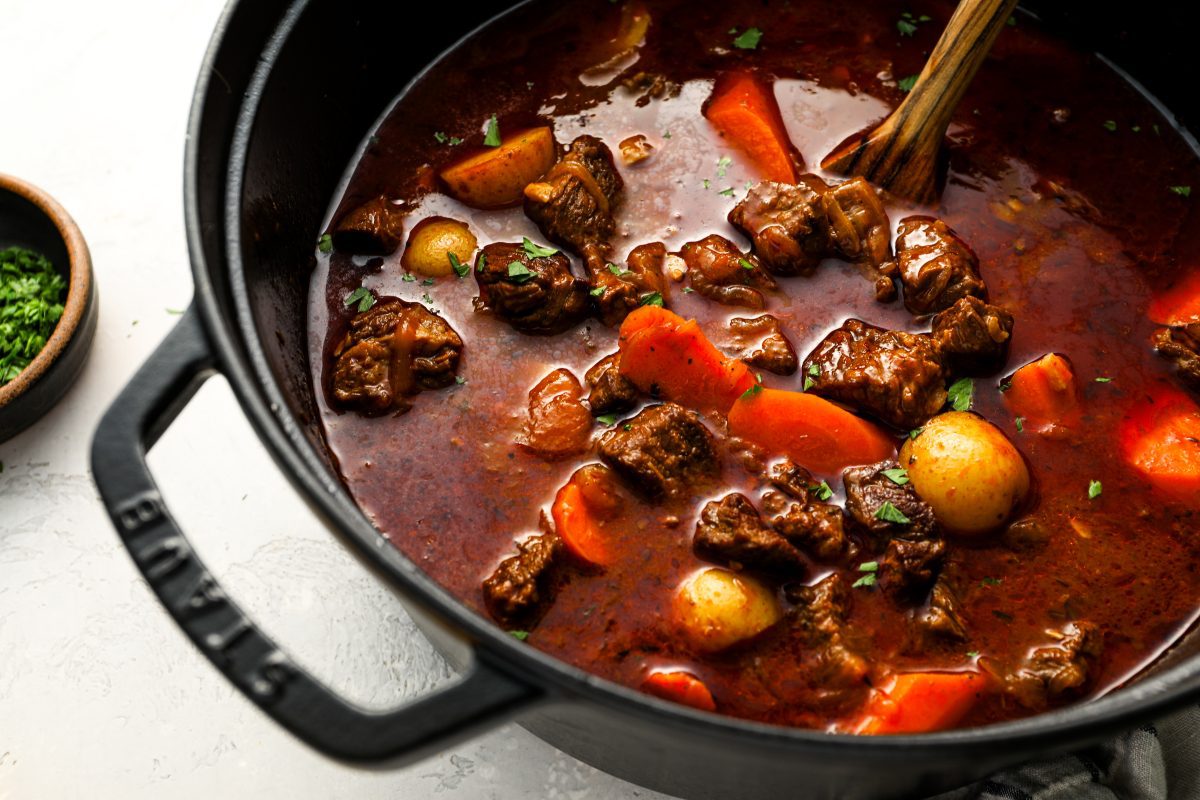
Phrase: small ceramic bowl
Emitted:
{"points": [[32, 219]]}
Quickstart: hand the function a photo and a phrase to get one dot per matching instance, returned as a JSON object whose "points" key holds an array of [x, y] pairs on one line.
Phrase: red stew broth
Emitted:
{"points": [[450, 487]]}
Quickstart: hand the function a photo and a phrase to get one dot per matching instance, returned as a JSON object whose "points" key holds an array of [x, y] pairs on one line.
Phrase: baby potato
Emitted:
{"points": [[432, 241], [967, 470], [717, 608]]}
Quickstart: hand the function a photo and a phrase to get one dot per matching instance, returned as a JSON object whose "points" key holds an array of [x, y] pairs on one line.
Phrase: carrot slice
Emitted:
{"points": [[1161, 441], [813, 432], [1180, 304], [667, 356], [680, 687], [918, 702], [578, 527], [498, 176], [1045, 394], [744, 110]]}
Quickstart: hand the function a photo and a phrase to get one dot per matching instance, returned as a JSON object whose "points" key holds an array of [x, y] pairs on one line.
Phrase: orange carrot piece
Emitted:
{"points": [[497, 177], [744, 110], [919, 702], [1180, 304], [811, 431], [670, 357], [680, 687], [1045, 394], [578, 527], [1161, 440]]}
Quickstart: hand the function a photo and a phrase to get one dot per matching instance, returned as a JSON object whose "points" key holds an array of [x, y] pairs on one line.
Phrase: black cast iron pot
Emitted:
{"points": [[287, 93]]}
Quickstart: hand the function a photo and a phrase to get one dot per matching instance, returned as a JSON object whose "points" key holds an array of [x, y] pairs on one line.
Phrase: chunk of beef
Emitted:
{"points": [[617, 290], [515, 594], [972, 335], [375, 228], [772, 350], [791, 478], [895, 376], [559, 424], [867, 239], [612, 392], [393, 350], [533, 294], [788, 223], [868, 488], [940, 620], [937, 268], [816, 528], [731, 531], [720, 271], [909, 567], [1181, 345], [1060, 670], [662, 451], [820, 617], [573, 203]]}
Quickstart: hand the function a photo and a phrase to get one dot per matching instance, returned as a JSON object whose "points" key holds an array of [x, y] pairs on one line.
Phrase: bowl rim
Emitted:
{"points": [[79, 286]]}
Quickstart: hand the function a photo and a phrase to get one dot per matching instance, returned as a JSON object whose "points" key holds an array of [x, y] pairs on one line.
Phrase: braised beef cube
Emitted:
{"points": [[879, 504], [534, 294], [617, 290], [772, 350], [792, 478], [909, 567], [937, 268], [973, 336], [895, 376], [516, 593], [1061, 670], [940, 621], [731, 531], [612, 392], [559, 424], [816, 528], [720, 271], [376, 228], [788, 224], [1181, 345], [573, 203], [867, 238], [662, 451], [394, 350], [820, 617]]}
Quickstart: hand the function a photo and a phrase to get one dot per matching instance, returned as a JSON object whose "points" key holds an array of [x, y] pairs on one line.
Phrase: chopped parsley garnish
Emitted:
{"points": [[652, 299], [726, 192], [607, 419], [749, 39], [325, 243], [626, 427], [1005, 385], [907, 84], [460, 269], [706, 183], [31, 294], [723, 165], [869, 566], [666, 134], [428, 282], [889, 513], [362, 296], [481, 264], [536, 250], [1182, 191], [961, 393], [427, 300], [1110, 125], [1094, 489], [441, 137], [897, 475], [1020, 422], [616, 270], [492, 137], [866, 580], [753, 390], [596, 292], [409, 278], [822, 490], [520, 636], [688, 290], [518, 272], [906, 28], [745, 264], [915, 432], [1103, 379], [975, 653], [986, 582], [813, 371], [460, 380]]}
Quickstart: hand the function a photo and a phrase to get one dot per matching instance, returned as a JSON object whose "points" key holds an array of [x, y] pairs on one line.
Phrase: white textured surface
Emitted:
{"points": [[100, 695]]}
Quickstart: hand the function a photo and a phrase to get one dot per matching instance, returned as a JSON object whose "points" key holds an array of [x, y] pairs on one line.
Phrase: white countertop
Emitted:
{"points": [[100, 694]]}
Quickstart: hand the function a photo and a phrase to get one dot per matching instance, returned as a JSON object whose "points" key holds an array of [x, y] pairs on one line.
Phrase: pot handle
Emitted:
{"points": [[483, 698]]}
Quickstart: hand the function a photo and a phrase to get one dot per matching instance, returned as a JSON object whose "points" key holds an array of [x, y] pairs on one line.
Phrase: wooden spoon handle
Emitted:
{"points": [[901, 154]]}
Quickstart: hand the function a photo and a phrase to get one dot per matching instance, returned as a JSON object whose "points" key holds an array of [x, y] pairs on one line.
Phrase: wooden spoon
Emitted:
{"points": [[901, 154]]}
